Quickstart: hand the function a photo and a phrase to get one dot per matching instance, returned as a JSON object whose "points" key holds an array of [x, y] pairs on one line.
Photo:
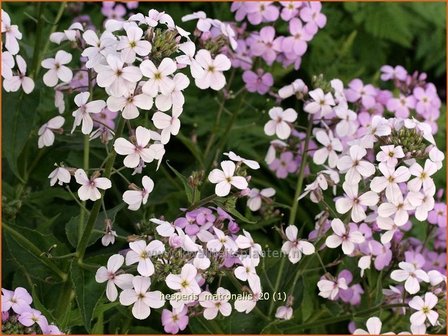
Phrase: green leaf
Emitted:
{"points": [[188, 189], [19, 117], [232, 211], [71, 228], [88, 292]]}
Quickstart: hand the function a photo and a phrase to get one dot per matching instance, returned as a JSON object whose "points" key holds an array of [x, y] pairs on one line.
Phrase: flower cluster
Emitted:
{"points": [[13, 65], [18, 317], [187, 255], [383, 158], [134, 65], [265, 45]]}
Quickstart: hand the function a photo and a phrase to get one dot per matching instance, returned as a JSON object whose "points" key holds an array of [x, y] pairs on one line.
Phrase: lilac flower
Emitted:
{"points": [[297, 42], [284, 165], [290, 9], [263, 11], [358, 91], [438, 215], [311, 14], [18, 300], [175, 320], [258, 81], [266, 45], [388, 72]]}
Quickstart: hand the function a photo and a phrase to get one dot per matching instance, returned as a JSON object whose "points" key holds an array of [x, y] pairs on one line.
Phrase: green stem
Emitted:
{"points": [[202, 202], [34, 250], [82, 245], [39, 51], [346, 317], [295, 202], [277, 283]]}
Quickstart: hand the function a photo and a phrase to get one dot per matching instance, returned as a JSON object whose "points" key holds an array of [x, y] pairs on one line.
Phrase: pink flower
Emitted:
{"points": [[311, 14], [401, 105], [175, 320], [358, 91], [266, 45], [258, 81], [297, 42], [290, 9], [284, 165], [388, 72], [262, 11], [18, 300]]}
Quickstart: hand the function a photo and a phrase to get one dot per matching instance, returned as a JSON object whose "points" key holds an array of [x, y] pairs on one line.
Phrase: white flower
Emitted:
{"points": [[250, 163], [246, 241], [424, 309], [85, 108], [225, 179], [115, 77], [423, 127], [57, 69], [390, 155], [164, 228], [246, 304], [59, 101], [141, 299], [321, 102], [215, 303], [7, 64], [331, 145], [60, 175], [330, 289], [159, 77], [344, 238], [298, 86], [255, 197], [135, 198], [284, 313], [411, 275], [174, 98], [387, 223], [98, 47], [109, 237], [348, 124], [185, 282], [203, 24], [13, 83], [141, 253], [129, 103], [113, 278], [12, 34], [295, 247], [280, 122], [137, 152], [423, 175], [168, 124], [378, 127], [189, 50], [373, 325], [132, 45], [397, 207], [390, 179], [354, 166], [45, 133], [423, 202], [221, 240], [69, 34], [247, 272], [435, 277], [89, 187], [208, 72], [437, 156], [355, 202]]}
